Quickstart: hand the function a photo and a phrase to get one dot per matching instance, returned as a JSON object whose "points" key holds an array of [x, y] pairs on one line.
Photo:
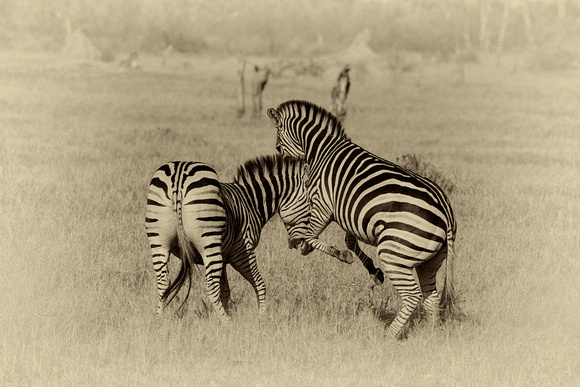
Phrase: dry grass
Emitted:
{"points": [[78, 293]]}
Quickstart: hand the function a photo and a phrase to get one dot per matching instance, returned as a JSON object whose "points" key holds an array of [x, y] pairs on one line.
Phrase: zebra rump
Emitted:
{"points": [[191, 215]]}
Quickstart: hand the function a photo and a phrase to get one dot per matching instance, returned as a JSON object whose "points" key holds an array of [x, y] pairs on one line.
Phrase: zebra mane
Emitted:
{"points": [[263, 165], [333, 125]]}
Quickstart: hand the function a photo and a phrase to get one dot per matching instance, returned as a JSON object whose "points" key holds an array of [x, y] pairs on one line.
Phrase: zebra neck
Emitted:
{"points": [[320, 149], [262, 199]]}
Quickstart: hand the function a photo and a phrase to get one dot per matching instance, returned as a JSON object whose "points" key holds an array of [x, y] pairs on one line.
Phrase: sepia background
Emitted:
{"points": [[96, 94]]}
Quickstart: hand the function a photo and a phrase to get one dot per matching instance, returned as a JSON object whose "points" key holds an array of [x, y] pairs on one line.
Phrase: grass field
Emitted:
{"points": [[80, 142]]}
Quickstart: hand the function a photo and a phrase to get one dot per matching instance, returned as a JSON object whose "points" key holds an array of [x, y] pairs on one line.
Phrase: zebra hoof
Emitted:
{"points": [[346, 256], [293, 243], [378, 277], [306, 248]]}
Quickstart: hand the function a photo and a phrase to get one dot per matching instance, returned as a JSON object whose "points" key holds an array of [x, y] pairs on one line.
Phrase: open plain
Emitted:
{"points": [[79, 143]]}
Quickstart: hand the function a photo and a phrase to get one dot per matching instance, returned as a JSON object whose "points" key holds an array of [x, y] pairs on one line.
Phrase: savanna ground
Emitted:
{"points": [[80, 142]]}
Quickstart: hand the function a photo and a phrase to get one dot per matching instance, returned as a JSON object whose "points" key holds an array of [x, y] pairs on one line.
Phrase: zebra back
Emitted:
{"points": [[320, 139], [263, 187]]}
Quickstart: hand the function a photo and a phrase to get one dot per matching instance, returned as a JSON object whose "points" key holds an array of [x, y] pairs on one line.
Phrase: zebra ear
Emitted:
{"points": [[275, 117]]}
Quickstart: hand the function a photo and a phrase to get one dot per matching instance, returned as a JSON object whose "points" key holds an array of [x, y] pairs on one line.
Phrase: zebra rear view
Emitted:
{"points": [[408, 217], [186, 217], [190, 214]]}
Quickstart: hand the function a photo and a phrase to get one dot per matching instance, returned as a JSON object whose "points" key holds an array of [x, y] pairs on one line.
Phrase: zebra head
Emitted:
{"points": [[287, 141], [302, 127]]}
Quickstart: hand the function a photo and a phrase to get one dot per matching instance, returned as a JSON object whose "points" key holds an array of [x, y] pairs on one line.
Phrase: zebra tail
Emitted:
{"points": [[188, 254], [449, 304]]}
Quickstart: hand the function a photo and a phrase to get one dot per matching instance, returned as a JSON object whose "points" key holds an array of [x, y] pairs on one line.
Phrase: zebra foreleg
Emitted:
{"points": [[319, 220], [314, 243], [376, 274], [225, 290], [246, 265]]}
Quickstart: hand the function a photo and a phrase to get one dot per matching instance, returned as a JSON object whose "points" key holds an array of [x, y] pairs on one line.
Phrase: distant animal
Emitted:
{"points": [[259, 81], [241, 88], [339, 93], [132, 62], [406, 216], [166, 53], [193, 216]]}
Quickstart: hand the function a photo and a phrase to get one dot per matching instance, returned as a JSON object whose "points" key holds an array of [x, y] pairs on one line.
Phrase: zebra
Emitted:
{"points": [[194, 217], [185, 207], [406, 216]]}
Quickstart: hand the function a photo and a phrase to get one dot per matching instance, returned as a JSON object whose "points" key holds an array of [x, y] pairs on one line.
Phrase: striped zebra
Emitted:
{"points": [[194, 217], [406, 216]]}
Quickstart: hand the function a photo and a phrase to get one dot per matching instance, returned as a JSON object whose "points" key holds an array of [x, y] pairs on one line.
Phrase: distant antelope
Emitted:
{"points": [[339, 93], [259, 80], [132, 62], [241, 88]]}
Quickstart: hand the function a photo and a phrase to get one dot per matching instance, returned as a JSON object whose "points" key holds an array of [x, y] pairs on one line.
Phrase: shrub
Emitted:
{"points": [[428, 170]]}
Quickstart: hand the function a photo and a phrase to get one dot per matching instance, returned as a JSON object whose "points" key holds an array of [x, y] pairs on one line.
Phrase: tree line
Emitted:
{"points": [[262, 27]]}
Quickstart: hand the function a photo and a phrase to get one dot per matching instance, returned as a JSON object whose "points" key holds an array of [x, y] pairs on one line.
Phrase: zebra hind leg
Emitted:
{"points": [[225, 290], [402, 279], [213, 276], [160, 256], [161, 235], [427, 274]]}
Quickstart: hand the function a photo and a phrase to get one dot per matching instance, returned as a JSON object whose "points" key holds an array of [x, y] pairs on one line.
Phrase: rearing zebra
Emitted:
{"points": [[406, 216], [191, 215]]}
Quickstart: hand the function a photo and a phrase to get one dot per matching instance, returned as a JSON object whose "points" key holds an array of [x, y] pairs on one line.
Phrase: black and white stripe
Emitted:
{"points": [[406, 216], [191, 215], [186, 217]]}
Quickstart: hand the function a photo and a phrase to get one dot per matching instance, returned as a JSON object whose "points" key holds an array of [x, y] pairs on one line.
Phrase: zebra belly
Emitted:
{"points": [[418, 230], [231, 247], [406, 235]]}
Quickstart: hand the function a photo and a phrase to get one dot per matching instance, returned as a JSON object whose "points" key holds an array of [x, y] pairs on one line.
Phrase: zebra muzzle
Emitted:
{"points": [[345, 256], [293, 243], [306, 248]]}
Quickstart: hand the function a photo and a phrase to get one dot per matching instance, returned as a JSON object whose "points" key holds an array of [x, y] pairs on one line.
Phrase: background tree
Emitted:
{"points": [[260, 27]]}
